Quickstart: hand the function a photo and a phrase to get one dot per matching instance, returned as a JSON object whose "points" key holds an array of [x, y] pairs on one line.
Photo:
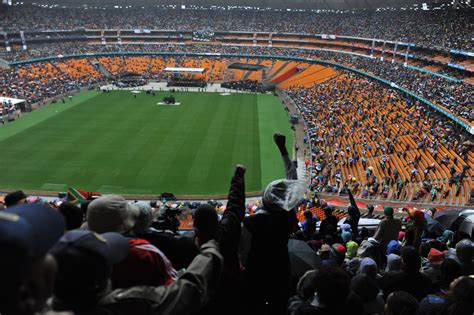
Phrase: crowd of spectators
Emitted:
{"points": [[106, 257], [446, 28], [246, 85], [455, 96], [371, 139]]}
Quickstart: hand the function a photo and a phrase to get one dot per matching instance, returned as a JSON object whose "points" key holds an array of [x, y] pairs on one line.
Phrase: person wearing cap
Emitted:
{"points": [[85, 263], [145, 264], [433, 269], [27, 271], [267, 266], [387, 229], [336, 256], [15, 198]]}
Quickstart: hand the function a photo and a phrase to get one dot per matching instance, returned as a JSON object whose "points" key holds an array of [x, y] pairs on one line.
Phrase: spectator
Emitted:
{"points": [[330, 220], [309, 224], [266, 273], [73, 215], [145, 264], [410, 279], [27, 231], [15, 198], [227, 232], [433, 304], [353, 215], [85, 262], [388, 228], [180, 250], [336, 256], [461, 293], [401, 303], [465, 254], [333, 295], [367, 289], [394, 263], [433, 269]]}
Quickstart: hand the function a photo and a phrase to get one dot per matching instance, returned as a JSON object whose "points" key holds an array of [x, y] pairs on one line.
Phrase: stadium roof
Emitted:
{"points": [[282, 4]]}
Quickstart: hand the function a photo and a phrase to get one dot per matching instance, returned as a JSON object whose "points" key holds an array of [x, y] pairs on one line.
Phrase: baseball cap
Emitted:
{"points": [[387, 210], [338, 250], [113, 247], [111, 213], [35, 227], [14, 198]]}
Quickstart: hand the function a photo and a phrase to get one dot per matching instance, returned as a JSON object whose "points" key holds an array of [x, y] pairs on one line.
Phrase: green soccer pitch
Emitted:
{"points": [[116, 143]]}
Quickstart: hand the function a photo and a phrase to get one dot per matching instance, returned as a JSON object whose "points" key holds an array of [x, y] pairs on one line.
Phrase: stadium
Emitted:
{"points": [[237, 157]]}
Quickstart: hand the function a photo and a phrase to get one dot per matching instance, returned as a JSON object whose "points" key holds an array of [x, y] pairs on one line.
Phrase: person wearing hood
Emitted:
{"points": [[388, 228], [351, 249], [465, 255], [367, 289], [267, 266], [447, 238], [394, 247], [368, 266], [394, 263], [410, 279], [371, 248]]}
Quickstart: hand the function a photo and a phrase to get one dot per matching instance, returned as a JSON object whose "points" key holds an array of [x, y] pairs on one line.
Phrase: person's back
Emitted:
{"points": [[330, 220], [388, 229], [266, 275], [85, 261], [333, 295], [401, 303], [410, 279], [267, 267], [268, 263], [179, 250], [465, 255]]}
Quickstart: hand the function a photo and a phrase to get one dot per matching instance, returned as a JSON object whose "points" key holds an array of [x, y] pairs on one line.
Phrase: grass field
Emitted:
{"points": [[117, 143]]}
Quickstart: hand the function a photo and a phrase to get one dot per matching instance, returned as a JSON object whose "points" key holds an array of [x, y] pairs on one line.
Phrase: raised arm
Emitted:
{"points": [[290, 168], [353, 202], [229, 230]]}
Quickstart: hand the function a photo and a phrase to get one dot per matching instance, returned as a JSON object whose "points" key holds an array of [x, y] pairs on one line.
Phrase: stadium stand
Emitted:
{"points": [[387, 132]]}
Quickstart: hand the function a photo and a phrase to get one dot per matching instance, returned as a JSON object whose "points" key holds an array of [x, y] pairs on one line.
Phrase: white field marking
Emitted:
{"points": [[164, 104]]}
